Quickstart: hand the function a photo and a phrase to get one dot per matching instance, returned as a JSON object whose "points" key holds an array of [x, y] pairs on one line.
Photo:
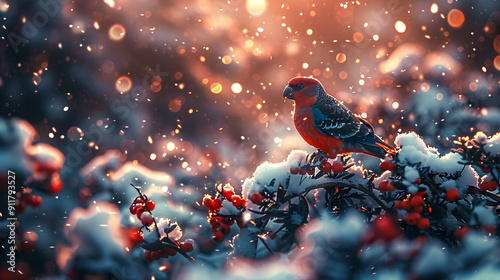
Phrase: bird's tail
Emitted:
{"points": [[387, 149], [377, 148]]}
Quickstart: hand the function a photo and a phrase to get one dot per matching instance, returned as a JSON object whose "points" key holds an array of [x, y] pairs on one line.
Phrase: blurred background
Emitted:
{"points": [[194, 88]]}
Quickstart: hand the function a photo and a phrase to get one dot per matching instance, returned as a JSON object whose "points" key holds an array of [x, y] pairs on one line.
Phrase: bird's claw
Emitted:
{"points": [[318, 156]]}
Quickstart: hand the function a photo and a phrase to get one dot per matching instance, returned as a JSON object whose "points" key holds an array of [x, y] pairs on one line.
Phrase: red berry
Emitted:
{"points": [[485, 169], [412, 218], [387, 165], [241, 223], [325, 166], [186, 247], [218, 236], [28, 241], [167, 252], [386, 186], [147, 256], [418, 209], [56, 185], [155, 255], [150, 204], [398, 204], [147, 219], [228, 194], [460, 233], [140, 210], [207, 201], [27, 197], [294, 170], [216, 204], [489, 229], [417, 201], [36, 201], [386, 229], [256, 198], [225, 228], [452, 195], [488, 186], [236, 201], [337, 167], [310, 172], [135, 237], [423, 224], [406, 204], [302, 171], [133, 209]]}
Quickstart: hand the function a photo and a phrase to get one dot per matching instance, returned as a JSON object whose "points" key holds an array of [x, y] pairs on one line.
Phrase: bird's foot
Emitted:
{"points": [[318, 156]]}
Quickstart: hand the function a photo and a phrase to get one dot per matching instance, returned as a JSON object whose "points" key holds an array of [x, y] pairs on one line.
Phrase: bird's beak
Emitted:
{"points": [[288, 93]]}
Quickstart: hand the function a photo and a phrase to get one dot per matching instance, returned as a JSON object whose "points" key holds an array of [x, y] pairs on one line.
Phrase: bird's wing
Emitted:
{"points": [[333, 119]]}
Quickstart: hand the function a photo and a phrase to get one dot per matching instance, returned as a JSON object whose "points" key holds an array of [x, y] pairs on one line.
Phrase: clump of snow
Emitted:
{"points": [[413, 148], [228, 209], [432, 263], [448, 185], [482, 216], [411, 174], [414, 151], [493, 145], [450, 164], [272, 172], [98, 245]]}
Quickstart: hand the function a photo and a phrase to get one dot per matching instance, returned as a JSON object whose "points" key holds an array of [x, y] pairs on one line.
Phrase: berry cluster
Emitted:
{"points": [[28, 199], [325, 166], [416, 204], [164, 246], [143, 210], [166, 251], [221, 223]]}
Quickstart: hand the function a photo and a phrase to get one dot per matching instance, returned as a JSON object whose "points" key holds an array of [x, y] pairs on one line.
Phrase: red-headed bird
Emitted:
{"points": [[326, 124]]}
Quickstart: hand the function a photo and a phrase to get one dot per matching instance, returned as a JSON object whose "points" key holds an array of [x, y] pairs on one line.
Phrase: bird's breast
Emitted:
{"points": [[304, 122]]}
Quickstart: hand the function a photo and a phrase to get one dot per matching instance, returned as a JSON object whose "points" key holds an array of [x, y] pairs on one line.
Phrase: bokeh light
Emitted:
{"points": [[455, 18], [123, 84], [116, 32]]}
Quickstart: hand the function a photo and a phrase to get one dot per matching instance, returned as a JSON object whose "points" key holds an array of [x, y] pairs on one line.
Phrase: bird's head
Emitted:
{"points": [[303, 90]]}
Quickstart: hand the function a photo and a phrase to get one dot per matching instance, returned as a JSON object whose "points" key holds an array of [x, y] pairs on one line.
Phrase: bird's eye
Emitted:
{"points": [[299, 86]]}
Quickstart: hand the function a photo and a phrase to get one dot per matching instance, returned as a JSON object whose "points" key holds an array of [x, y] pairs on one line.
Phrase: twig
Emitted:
{"points": [[485, 193]]}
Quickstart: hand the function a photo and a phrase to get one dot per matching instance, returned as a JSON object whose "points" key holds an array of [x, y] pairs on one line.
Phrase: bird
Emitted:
{"points": [[326, 124]]}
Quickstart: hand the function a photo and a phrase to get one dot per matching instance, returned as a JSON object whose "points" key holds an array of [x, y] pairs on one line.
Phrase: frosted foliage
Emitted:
{"points": [[414, 150]]}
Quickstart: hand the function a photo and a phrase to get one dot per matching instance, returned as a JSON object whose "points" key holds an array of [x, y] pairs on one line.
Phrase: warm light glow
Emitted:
{"points": [[236, 88], [400, 26], [256, 7], [110, 3], [216, 88], [170, 146], [434, 8]]}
